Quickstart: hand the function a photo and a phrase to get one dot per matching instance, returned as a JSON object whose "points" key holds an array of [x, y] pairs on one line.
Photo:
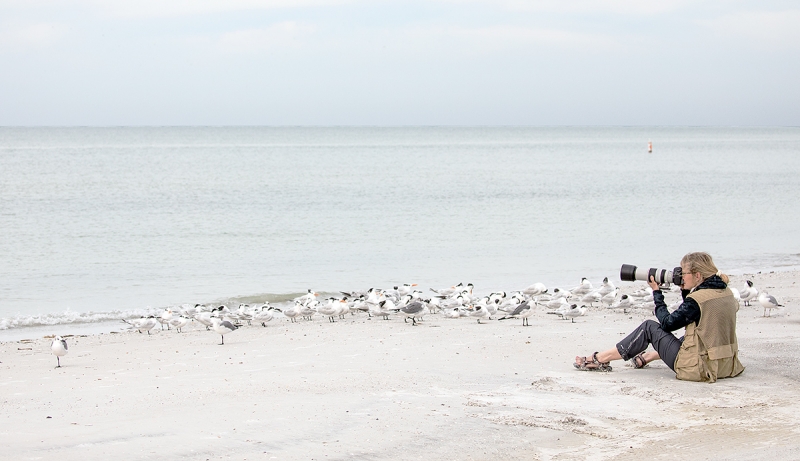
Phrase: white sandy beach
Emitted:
{"points": [[373, 389]]}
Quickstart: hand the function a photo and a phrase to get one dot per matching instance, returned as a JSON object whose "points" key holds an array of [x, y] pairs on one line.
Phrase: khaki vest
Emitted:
{"points": [[710, 350]]}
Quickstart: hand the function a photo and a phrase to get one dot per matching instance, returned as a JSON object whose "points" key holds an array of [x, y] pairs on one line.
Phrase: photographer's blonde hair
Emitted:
{"points": [[701, 262]]}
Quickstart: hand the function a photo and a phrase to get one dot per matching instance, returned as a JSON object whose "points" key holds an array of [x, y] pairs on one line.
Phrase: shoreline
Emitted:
{"points": [[376, 389], [111, 322]]}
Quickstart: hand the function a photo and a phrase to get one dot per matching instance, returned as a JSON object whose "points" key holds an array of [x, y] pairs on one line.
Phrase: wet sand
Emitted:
{"points": [[373, 389]]}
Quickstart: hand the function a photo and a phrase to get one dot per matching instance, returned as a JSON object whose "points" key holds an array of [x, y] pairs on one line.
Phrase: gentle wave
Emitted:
{"points": [[70, 317]]}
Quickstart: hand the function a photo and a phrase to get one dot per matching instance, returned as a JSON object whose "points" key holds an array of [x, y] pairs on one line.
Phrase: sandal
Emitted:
{"points": [[598, 365], [639, 361]]}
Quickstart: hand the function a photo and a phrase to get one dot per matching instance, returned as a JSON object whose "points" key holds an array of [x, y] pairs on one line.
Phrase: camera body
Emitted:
{"points": [[630, 273]]}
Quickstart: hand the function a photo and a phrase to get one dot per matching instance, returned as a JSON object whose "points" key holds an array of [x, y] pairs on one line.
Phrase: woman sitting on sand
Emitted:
{"points": [[708, 350]]}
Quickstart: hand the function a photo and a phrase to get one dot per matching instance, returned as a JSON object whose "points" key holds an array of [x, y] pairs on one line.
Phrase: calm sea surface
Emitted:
{"points": [[112, 220]]}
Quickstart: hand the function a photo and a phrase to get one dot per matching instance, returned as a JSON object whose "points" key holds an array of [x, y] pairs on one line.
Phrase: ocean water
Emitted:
{"points": [[101, 223]]}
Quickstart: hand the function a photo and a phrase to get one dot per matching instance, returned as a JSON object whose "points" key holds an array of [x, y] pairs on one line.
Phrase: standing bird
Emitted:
{"points": [[292, 312], [575, 311], [769, 302], [607, 287], [557, 303], [536, 289], [479, 313], [264, 315], [522, 311], [624, 303], [405, 288], [559, 293], [179, 322], [610, 297], [59, 348], [144, 323], [204, 318], [222, 327], [413, 310], [329, 309], [749, 293], [582, 289], [164, 318], [591, 298]]}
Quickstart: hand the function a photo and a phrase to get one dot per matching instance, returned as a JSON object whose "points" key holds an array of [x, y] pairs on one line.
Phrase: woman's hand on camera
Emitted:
{"points": [[653, 284]]}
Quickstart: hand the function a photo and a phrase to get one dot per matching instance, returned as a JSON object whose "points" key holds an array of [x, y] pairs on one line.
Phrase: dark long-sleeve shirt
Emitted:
{"points": [[688, 311]]}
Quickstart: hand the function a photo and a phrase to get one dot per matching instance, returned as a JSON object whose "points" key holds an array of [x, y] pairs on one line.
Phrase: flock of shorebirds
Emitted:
{"points": [[409, 303]]}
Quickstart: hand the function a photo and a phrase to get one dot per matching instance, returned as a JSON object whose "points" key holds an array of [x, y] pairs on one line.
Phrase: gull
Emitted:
{"points": [[144, 323], [575, 311], [536, 289], [608, 287], [343, 308], [583, 288], [749, 293], [222, 327], [501, 295], [510, 304], [412, 311], [264, 315], [360, 305], [404, 301], [458, 301], [467, 292], [449, 291], [561, 311], [307, 311], [466, 295], [610, 297], [372, 296], [226, 314], [492, 307], [245, 313], [559, 293], [191, 311], [164, 318], [179, 322], [59, 348], [434, 304], [292, 312], [523, 311], [624, 303], [308, 297], [204, 318], [591, 298], [354, 294], [329, 309], [556, 303], [768, 302], [453, 313], [405, 288], [385, 307], [479, 313], [374, 310]]}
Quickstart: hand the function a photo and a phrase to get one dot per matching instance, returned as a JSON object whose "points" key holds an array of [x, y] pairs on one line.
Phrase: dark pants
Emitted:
{"points": [[650, 332]]}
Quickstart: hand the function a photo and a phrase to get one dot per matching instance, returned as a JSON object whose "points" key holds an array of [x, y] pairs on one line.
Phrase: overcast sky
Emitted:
{"points": [[446, 62]]}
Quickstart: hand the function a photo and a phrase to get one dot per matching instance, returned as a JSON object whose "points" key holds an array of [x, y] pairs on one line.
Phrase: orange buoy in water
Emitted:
{"points": [[650, 147]]}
